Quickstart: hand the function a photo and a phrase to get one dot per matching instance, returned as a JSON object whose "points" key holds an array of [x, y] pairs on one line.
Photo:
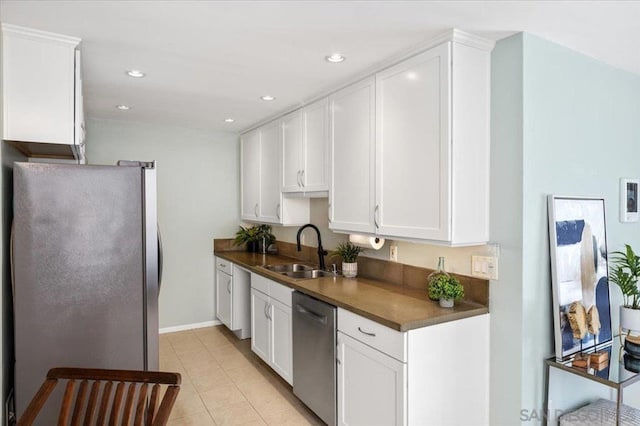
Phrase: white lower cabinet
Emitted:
{"points": [[232, 297], [371, 385], [271, 324], [260, 326], [419, 377]]}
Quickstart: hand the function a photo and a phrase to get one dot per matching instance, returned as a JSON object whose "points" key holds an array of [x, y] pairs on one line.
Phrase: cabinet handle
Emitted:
{"points": [[302, 178], [298, 179], [266, 306], [329, 212], [229, 287], [269, 311], [375, 216], [221, 265], [255, 210], [366, 332], [278, 211]]}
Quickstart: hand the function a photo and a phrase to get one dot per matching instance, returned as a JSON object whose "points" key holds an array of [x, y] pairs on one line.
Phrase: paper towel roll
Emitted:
{"points": [[367, 241]]}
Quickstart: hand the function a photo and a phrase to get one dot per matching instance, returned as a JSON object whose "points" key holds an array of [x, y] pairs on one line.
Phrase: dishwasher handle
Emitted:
{"points": [[316, 317]]}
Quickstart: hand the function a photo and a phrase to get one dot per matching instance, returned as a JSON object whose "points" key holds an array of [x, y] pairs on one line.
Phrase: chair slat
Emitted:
{"points": [[91, 405], [162, 417], [63, 419], [104, 404], [37, 402], [153, 404], [142, 404], [81, 397], [128, 405], [117, 403]]}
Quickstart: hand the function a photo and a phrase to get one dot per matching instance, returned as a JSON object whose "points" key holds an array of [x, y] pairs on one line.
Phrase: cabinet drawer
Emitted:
{"points": [[260, 283], [378, 336], [280, 292], [224, 266]]}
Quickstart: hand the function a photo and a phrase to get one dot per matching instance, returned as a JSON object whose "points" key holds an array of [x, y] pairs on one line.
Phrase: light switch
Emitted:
{"points": [[484, 267]]}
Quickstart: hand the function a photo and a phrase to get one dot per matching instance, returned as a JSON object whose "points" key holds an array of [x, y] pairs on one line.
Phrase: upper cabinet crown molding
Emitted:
{"points": [[30, 33]]}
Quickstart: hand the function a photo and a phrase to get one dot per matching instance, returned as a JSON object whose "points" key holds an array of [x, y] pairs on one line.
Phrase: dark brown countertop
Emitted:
{"points": [[395, 306]]}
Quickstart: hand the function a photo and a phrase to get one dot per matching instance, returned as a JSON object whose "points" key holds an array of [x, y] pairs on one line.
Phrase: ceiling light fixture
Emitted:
{"points": [[268, 98], [229, 120], [335, 58], [135, 73], [123, 107]]}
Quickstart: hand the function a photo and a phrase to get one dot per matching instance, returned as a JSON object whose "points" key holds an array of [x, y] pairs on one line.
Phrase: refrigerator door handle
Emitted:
{"points": [[160, 260]]}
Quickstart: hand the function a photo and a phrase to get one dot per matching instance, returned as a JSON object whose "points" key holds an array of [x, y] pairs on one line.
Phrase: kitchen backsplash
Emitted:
{"points": [[457, 259]]}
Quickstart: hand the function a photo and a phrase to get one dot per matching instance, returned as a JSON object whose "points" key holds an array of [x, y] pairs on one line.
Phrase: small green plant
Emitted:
{"points": [[254, 234], [446, 287], [347, 251], [625, 272]]}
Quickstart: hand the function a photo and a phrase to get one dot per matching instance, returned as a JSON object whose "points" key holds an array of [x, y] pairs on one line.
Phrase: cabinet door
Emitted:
{"points": [[292, 152], [351, 190], [281, 347], [371, 385], [38, 83], [250, 186], [224, 297], [315, 158], [260, 325], [413, 176], [271, 142]]}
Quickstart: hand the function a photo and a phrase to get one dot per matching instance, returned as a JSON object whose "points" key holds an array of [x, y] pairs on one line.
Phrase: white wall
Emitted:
{"points": [[198, 199]]}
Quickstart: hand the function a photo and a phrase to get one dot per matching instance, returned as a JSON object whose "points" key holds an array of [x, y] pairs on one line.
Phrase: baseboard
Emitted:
{"points": [[189, 326]]}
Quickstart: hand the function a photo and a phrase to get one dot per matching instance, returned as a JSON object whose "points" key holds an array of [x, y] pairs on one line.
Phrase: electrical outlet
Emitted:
{"points": [[393, 253], [484, 267]]}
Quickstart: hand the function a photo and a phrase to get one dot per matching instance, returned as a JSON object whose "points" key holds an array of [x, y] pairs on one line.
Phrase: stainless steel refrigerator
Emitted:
{"points": [[85, 264]]}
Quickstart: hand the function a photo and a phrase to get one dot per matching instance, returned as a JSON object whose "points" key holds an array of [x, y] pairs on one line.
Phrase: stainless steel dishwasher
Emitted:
{"points": [[314, 355]]}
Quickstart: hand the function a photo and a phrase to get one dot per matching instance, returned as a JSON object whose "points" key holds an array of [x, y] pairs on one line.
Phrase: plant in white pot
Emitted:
{"points": [[349, 253], [447, 289], [625, 272]]}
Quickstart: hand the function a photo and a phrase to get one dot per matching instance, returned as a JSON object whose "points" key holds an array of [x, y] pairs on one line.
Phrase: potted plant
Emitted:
{"points": [[625, 272], [349, 254], [255, 236], [447, 288]]}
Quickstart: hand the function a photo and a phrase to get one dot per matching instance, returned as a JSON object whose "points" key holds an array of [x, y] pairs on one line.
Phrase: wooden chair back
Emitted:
{"points": [[96, 403]]}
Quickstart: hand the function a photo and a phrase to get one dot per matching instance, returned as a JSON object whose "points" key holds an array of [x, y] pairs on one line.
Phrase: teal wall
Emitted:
{"points": [[579, 134], [506, 229]]}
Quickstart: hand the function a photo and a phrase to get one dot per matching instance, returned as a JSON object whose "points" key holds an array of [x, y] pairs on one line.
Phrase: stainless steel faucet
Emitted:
{"points": [[321, 252]]}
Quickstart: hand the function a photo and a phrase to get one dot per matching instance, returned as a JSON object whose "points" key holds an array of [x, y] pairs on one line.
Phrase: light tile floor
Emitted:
{"points": [[224, 383]]}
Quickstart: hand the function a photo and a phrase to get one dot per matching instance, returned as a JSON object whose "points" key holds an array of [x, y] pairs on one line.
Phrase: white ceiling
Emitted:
{"points": [[207, 60]]}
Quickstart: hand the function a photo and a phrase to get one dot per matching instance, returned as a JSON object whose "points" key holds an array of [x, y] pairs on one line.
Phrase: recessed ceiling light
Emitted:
{"points": [[268, 98], [123, 107], [229, 120], [335, 58], [135, 73]]}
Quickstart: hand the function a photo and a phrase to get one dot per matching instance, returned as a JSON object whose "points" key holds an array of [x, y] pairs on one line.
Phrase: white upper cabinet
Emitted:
{"points": [[352, 147], [315, 159], [250, 175], [412, 147], [292, 152], [270, 197], [42, 92], [262, 197], [411, 160], [305, 151]]}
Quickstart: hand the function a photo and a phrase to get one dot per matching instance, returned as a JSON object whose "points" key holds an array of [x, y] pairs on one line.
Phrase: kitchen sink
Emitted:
{"points": [[315, 273], [298, 271], [289, 267]]}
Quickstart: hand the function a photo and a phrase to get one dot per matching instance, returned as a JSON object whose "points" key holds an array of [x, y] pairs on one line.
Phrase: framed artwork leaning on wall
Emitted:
{"points": [[579, 272]]}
